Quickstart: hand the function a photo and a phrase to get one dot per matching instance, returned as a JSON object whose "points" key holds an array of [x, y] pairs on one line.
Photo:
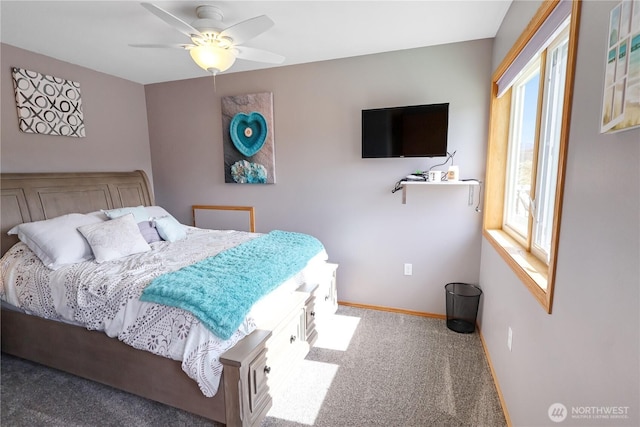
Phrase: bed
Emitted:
{"points": [[251, 368]]}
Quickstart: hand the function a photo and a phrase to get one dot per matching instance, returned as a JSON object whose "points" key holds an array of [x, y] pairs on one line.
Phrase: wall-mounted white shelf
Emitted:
{"points": [[470, 184]]}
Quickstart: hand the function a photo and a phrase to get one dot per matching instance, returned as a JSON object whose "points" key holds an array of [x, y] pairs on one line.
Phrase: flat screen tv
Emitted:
{"points": [[411, 131]]}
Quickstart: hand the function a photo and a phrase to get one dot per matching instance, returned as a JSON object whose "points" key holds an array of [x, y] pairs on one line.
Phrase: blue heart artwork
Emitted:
{"points": [[248, 138], [248, 132]]}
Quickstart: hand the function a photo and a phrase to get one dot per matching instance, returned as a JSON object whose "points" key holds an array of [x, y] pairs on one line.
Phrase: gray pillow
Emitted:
{"points": [[149, 231]]}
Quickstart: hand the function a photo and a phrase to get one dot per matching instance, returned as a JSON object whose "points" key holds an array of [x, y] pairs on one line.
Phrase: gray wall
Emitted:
{"points": [[115, 117], [585, 354], [323, 186]]}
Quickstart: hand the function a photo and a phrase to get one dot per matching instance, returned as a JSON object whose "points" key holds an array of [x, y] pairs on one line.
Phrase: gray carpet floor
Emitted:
{"points": [[370, 368]]}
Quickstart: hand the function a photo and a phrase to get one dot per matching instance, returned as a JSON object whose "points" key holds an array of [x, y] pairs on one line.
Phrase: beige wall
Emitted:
{"points": [[586, 353], [323, 186], [115, 116]]}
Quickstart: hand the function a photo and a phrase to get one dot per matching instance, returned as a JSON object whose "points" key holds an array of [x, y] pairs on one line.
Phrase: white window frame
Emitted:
{"points": [[515, 133], [549, 149], [551, 67]]}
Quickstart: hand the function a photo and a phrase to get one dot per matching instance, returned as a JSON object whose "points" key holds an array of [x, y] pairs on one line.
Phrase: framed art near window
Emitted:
{"points": [[621, 94]]}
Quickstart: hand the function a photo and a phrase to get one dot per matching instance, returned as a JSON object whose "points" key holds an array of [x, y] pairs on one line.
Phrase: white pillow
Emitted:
{"points": [[115, 239], [139, 213], [56, 241], [169, 228], [99, 214], [156, 211]]}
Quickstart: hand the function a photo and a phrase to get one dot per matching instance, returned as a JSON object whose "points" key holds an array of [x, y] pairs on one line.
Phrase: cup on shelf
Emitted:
{"points": [[453, 174], [435, 176]]}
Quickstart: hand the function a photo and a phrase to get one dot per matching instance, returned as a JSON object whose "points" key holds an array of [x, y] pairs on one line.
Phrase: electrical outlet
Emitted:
{"points": [[408, 269], [509, 338]]}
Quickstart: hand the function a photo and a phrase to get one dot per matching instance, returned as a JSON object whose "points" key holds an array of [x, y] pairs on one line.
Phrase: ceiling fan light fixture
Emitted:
{"points": [[212, 58], [215, 48]]}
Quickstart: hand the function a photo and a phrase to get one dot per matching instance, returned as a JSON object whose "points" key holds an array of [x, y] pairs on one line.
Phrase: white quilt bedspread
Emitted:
{"points": [[105, 297]]}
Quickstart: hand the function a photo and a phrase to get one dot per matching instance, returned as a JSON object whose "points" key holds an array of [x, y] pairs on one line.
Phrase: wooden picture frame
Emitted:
{"points": [[621, 91], [226, 208]]}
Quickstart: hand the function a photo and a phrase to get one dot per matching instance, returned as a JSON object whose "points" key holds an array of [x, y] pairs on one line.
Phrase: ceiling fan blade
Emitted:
{"points": [[246, 30], [258, 55], [174, 21], [165, 45]]}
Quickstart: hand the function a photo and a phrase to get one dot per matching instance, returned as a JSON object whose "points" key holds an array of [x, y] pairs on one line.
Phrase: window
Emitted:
{"points": [[529, 124], [521, 156], [549, 149]]}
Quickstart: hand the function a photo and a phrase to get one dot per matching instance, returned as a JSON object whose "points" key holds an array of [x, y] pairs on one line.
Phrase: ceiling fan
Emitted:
{"points": [[213, 47]]}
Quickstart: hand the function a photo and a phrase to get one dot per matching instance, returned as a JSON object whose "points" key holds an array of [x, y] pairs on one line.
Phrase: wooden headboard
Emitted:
{"points": [[27, 197]]}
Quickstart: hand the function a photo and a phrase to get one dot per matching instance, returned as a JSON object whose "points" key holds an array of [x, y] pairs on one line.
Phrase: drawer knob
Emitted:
{"points": [[292, 339], [267, 369], [313, 314]]}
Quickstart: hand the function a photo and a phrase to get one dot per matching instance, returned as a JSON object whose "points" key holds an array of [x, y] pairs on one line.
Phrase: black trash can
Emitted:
{"points": [[462, 306]]}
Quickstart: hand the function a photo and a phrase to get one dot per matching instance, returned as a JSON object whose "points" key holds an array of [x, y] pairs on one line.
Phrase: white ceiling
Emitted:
{"points": [[96, 34]]}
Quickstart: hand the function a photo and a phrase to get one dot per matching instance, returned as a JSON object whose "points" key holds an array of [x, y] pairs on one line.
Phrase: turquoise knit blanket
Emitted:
{"points": [[221, 290]]}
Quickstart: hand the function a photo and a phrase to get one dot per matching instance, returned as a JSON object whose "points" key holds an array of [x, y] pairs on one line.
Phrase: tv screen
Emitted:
{"points": [[411, 131]]}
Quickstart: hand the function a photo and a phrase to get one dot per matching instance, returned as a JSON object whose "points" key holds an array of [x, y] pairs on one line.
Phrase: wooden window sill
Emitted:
{"points": [[529, 269]]}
